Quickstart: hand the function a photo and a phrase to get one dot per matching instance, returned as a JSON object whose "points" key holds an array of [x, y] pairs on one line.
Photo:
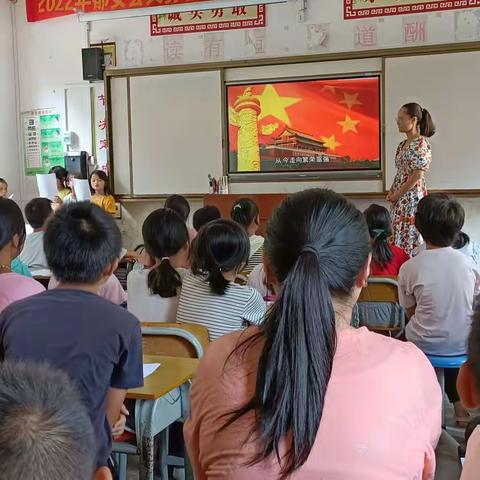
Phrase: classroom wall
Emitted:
{"points": [[9, 158], [50, 57]]}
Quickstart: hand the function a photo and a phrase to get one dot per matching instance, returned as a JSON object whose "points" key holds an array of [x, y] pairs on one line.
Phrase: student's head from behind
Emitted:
{"points": [[317, 253], [468, 382], [220, 251], [413, 118], [45, 432], [179, 204], [99, 183], [12, 228], [462, 241], [38, 211], [3, 188], [165, 236], [205, 215], [82, 244], [61, 174], [380, 229], [245, 212], [439, 219]]}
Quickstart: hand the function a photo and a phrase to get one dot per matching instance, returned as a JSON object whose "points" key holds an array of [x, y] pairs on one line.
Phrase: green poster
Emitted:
{"points": [[42, 141]]}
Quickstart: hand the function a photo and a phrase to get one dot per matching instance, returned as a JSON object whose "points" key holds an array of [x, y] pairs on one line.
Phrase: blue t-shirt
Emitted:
{"points": [[97, 343]]}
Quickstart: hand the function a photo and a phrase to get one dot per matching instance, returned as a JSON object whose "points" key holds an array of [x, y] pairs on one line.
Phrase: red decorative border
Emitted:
{"points": [[260, 21], [349, 11]]}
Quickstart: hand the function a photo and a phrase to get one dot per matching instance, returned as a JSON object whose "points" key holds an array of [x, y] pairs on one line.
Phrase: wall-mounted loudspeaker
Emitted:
{"points": [[92, 60]]}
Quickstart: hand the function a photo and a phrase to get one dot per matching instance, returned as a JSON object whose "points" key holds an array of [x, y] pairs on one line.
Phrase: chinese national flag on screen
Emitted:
{"points": [[341, 113], [44, 9]]}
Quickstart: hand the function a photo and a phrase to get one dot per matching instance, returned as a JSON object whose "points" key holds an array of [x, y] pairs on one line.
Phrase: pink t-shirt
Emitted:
{"points": [[111, 290], [381, 419], [14, 287]]}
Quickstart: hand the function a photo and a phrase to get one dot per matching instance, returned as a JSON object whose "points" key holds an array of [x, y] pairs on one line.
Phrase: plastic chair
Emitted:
{"points": [[378, 308], [168, 339], [439, 363]]}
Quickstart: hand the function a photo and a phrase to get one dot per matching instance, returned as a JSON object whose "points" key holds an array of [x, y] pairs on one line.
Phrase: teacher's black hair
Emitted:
{"points": [[424, 119]]}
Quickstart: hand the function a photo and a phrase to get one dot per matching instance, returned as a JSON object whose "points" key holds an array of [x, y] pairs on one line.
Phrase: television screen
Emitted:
{"points": [[305, 126]]}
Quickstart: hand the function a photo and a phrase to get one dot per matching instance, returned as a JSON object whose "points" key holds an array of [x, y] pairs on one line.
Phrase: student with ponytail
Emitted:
{"points": [[209, 295], [412, 160], [305, 395], [245, 212], [153, 294], [386, 257]]}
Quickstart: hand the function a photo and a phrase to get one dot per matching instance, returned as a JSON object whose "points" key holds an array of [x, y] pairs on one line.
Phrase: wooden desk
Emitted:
{"points": [[172, 373]]}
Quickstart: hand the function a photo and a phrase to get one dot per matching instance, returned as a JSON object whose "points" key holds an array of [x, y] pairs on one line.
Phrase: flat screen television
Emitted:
{"points": [[305, 127]]}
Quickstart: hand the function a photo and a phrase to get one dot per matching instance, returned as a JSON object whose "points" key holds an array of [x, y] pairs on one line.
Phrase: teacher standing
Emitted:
{"points": [[412, 160]]}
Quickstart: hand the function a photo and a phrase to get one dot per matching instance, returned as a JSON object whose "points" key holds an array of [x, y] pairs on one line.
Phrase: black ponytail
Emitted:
{"points": [[424, 119], [221, 246], [164, 235], [380, 229], [316, 244], [244, 212]]}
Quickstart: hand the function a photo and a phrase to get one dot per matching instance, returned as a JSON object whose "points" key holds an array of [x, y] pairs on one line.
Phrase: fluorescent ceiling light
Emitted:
{"points": [[165, 10]]}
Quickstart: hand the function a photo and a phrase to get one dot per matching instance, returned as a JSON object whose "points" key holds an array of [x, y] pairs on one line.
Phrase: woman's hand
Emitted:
{"points": [[393, 197], [119, 427]]}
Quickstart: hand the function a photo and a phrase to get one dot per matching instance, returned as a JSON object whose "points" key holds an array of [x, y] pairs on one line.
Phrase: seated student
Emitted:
{"points": [[98, 344], [3, 188], [259, 281], [13, 286], [179, 204], [111, 290], [153, 294], [205, 215], [437, 288], [99, 186], [387, 258], [45, 430], [245, 212], [37, 212], [209, 295], [276, 400], [61, 174], [467, 247], [71, 197], [469, 389]]}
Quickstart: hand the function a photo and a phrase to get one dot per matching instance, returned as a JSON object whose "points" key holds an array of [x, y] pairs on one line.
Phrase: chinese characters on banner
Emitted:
{"points": [[42, 141], [380, 8], [44, 9], [215, 19], [365, 34], [100, 117]]}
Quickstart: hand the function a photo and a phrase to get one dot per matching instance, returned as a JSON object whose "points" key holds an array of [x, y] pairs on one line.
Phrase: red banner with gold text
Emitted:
{"points": [[44, 9]]}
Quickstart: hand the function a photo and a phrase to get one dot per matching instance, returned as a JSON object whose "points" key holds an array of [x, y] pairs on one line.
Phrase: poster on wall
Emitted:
{"points": [[381, 8], [305, 125], [215, 19], [100, 118], [45, 9], [42, 140]]}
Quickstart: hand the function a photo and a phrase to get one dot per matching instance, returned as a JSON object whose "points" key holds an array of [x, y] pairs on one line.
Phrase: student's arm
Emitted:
{"points": [[410, 311], [109, 204], [406, 297], [115, 399]]}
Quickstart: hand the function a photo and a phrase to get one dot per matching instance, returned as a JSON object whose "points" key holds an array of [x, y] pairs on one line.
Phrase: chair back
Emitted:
{"points": [[378, 308], [174, 339]]}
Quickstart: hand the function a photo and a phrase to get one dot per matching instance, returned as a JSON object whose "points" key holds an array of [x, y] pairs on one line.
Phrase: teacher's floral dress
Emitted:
{"points": [[417, 156]]}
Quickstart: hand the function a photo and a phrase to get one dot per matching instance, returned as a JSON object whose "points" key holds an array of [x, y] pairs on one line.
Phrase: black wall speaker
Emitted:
{"points": [[92, 59], [77, 163]]}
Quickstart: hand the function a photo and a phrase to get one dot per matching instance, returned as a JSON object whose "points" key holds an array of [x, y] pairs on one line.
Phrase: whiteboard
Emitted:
{"points": [[176, 132], [448, 86]]}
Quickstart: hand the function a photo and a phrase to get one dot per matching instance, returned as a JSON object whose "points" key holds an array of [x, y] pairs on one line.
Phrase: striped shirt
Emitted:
{"points": [[256, 253], [221, 314]]}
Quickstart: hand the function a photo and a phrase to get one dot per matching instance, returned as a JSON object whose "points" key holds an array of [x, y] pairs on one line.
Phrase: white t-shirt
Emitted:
{"points": [[148, 307], [33, 254], [221, 314], [442, 283]]}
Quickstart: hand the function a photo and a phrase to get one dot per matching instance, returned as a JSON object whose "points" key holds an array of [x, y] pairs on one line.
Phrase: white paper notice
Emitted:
{"points": [[47, 186], [149, 368], [82, 190]]}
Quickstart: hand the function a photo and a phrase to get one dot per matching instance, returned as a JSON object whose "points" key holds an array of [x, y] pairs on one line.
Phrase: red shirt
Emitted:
{"points": [[392, 268]]}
